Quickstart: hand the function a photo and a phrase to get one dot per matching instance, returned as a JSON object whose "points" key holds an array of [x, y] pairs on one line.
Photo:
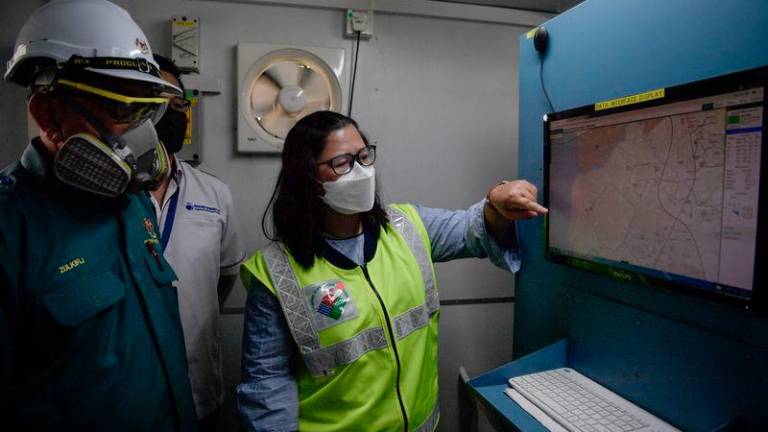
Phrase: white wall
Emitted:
{"points": [[438, 96], [13, 119]]}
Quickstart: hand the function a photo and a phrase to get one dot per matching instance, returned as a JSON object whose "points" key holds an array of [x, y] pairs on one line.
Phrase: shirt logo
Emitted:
{"points": [[6, 182], [331, 302], [70, 265], [190, 206]]}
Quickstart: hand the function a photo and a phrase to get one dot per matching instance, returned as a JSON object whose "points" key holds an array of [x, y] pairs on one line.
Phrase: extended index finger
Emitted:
{"points": [[528, 204]]}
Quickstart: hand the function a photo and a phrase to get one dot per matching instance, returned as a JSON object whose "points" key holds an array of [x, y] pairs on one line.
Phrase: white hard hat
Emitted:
{"points": [[97, 35]]}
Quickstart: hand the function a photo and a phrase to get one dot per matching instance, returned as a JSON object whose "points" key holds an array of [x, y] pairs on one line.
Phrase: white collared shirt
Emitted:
{"points": [[204, 243]]}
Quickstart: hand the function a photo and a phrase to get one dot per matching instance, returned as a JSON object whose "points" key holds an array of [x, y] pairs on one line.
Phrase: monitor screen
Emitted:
{"points": [[662, 187]]}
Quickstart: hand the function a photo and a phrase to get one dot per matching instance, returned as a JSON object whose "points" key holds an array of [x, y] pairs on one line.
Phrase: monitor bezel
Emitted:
{"points": [[682, 92]]}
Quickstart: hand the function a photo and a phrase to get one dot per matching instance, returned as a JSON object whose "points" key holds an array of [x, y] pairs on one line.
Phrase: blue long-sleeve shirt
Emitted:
{"points": [[267, 398]]}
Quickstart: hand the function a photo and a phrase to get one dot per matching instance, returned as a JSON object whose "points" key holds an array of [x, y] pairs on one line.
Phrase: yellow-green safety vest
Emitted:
{"points": [[367, 335]]}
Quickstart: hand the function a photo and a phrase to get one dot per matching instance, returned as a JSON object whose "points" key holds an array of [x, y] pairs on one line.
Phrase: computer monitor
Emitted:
{"points": [[664, 188]]}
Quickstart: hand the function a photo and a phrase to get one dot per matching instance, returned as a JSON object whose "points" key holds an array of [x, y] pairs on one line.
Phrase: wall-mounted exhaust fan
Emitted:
{"points": [[278, 85]]}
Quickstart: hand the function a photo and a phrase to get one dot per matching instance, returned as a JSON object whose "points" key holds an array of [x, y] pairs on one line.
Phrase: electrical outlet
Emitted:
{"points": [[358, 21]]}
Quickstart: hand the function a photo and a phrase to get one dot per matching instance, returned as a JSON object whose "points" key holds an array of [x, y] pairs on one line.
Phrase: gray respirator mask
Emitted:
{"points": [[113, 165]]}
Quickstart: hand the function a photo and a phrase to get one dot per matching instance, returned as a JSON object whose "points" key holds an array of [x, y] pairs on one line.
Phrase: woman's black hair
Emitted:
{"points": [[296, 207]]}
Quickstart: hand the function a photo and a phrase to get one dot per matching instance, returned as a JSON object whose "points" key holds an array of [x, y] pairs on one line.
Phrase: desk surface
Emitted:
{"points": [[489, 388]]}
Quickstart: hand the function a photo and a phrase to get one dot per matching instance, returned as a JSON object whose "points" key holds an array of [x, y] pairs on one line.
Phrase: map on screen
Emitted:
{"points": [[669, 190]]}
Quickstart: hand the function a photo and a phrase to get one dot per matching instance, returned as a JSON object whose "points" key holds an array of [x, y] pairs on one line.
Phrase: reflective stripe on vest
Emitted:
{"points": [[431, 422], [322, 361], [297, 312], [408, 231]]}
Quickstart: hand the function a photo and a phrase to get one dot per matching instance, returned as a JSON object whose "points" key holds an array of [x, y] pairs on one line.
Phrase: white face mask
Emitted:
{"points": [[353, 192]]}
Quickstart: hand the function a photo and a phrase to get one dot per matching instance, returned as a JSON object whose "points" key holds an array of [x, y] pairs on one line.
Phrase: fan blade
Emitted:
{"points": [[263, 95], [306, 72], [270, 79], [316, 86], [278, 123], [317, 105], [285, 73], [312, 106]]}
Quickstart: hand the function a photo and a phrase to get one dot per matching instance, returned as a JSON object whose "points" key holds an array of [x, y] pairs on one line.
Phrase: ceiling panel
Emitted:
{"points": [[553, 6]]}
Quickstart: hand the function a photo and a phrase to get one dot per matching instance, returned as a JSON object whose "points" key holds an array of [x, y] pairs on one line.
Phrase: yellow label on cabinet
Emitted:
{"points": [[629, 100]]}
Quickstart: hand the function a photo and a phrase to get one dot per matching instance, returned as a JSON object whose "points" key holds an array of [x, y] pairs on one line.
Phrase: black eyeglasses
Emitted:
{"points": [[342, 164]]}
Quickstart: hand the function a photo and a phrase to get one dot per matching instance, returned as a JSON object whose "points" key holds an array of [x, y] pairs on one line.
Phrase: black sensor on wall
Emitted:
{"points": [[541, 40]]}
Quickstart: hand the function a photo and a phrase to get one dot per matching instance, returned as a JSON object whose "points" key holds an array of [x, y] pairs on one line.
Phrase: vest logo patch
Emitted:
{"points": [[70, 265], [331, 302]]}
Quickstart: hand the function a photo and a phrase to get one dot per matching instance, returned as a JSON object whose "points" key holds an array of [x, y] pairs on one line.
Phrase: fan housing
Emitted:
{"points": [[279, 85]]}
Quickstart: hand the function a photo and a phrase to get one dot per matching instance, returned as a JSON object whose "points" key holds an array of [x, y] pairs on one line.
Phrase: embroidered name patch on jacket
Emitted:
{"points": [[331, 303]]}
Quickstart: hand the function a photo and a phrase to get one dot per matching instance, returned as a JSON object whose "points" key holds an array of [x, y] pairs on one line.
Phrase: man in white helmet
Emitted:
{"points": [[90, 336]]}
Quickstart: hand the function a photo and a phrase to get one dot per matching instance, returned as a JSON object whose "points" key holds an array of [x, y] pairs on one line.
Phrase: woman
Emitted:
{"points": [[342, 312]]}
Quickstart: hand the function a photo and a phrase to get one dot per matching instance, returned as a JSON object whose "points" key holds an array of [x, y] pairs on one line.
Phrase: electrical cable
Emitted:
{"points": [[543, 87], [354, 76]]}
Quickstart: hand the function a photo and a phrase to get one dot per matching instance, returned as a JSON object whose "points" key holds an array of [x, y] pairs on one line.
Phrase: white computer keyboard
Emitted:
{"points": [[579, 404]]}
